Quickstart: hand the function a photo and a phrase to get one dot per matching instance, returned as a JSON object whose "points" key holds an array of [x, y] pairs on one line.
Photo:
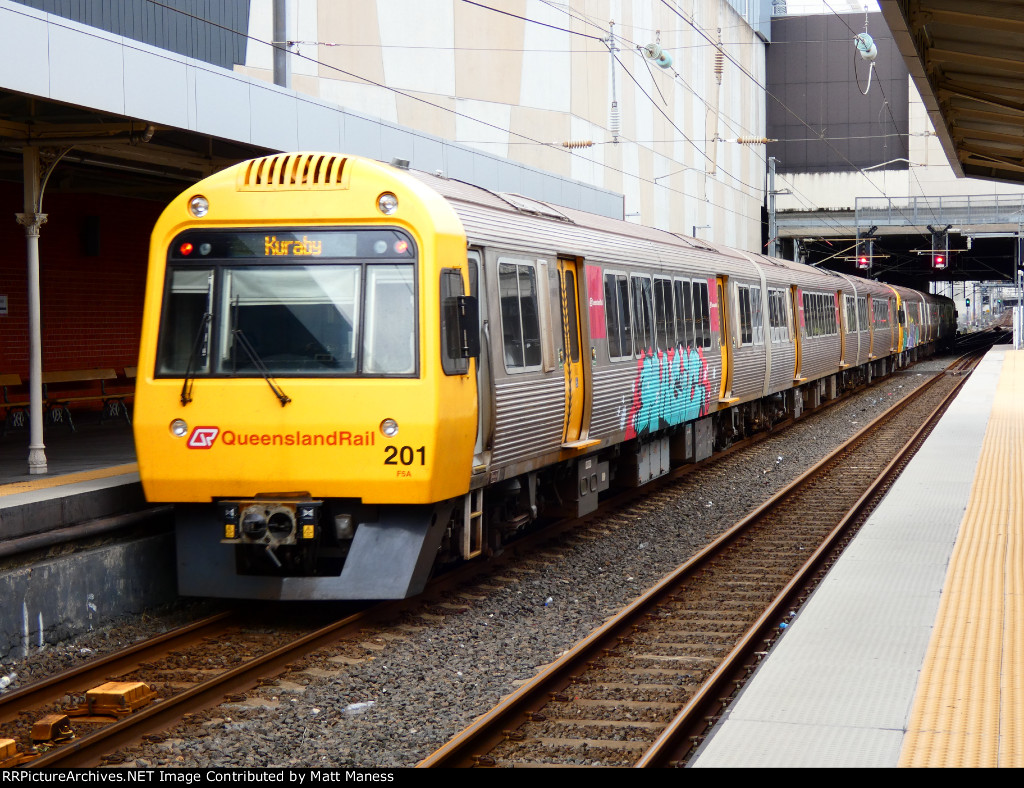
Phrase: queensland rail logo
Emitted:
{"points": [[203, 437]]}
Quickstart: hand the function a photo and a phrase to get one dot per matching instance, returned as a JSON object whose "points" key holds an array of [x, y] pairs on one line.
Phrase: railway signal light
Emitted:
{"points": [[940, 247], [865, 251]]}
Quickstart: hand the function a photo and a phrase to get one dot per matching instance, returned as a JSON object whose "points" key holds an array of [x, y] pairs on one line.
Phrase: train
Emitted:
{"points": [[352, 373]]}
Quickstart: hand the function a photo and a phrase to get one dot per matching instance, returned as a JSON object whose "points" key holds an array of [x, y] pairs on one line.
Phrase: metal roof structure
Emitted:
{"points": [[967, 61]]}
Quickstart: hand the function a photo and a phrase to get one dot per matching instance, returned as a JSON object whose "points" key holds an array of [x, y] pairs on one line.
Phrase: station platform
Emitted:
{"points": [[91, 473], [90, 493], [911, 651]]}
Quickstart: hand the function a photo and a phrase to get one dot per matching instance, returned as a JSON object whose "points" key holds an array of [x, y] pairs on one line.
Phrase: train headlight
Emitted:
{"points": [[389, 427], [199, 206], [179, 428], [387, 203]]}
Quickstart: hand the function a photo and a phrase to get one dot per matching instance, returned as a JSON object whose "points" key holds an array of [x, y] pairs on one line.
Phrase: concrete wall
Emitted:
{"points": [[48, 601]]}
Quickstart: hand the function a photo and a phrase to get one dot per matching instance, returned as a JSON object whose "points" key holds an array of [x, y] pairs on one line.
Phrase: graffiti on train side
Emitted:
{"points": [[670, 387]]}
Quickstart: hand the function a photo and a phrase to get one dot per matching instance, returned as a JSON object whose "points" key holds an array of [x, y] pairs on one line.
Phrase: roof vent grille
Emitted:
{"points": [[294, 171]]}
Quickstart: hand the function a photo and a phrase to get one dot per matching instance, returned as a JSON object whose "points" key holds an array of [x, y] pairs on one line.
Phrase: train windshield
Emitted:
{"points": [[239, 317]]}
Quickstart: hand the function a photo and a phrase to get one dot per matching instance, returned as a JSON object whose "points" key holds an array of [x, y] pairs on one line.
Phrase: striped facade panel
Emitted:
{"points": [[819, 356], [213, 31], [783, 366], [748, 371], [857, 344], [613, 398], [529, 418]]}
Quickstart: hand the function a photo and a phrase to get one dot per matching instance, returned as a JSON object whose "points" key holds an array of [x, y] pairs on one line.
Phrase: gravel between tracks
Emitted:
{"points": [[395, 696]]}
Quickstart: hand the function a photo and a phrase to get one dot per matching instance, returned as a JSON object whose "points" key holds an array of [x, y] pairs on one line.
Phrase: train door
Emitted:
{"points": [[570, 356], [724, 339], [842, 324], [871, 326], [796, 302], [484, 384], [894, 329]]}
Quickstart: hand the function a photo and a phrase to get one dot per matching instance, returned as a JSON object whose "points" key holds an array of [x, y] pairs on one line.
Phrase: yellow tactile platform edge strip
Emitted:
{"points": [[67, 478], [970, 697]]}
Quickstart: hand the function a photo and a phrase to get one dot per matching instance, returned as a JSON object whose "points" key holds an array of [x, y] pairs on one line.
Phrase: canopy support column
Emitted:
{"points": [[32, 220]]}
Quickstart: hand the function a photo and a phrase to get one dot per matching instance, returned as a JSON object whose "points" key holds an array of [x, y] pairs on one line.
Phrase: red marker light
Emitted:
{"points": [[185, 249], [401, 247]]}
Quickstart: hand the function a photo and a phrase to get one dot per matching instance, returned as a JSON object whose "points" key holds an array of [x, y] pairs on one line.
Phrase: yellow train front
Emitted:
{"points": [[306, 391]]}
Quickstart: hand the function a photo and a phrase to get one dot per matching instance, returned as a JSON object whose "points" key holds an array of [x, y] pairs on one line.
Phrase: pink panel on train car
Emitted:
{"points": [[800, 307], [713, 302], [838, 323], [595, 302]]}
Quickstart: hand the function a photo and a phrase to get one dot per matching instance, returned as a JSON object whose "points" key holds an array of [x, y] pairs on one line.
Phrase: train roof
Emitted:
{"points": [[497, 218]]}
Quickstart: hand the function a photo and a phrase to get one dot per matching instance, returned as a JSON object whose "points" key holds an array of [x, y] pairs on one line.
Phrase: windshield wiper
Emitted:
{"points": [[257, 362], [186, 385]]}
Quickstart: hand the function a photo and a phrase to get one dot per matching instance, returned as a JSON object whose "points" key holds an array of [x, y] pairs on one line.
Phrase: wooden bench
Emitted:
{"points": [[82, 383], [15, 402]]}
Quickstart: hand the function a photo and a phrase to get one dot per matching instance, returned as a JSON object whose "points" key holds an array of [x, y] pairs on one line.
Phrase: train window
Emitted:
{"points": [[684, 314], [388, 328], [643, 314], [664, 314], [338, 302], [881, 312], [520, 326], [745, 328], [819, 314], [185, 331], [301, 319], [862, 313], [626, 315], [777, 316], [616, 311], [756, 316], [701, 314], [452, 360], [572, 318], [851, 314]]}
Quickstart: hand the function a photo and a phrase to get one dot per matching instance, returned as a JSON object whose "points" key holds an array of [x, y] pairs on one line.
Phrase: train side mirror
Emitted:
{"points": [[468, 316]]}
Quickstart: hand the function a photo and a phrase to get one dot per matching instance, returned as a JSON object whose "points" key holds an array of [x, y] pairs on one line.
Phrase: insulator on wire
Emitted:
{"points": [[661, 58], [719, 59], [753, 140], [578, 144], [865, 47]]}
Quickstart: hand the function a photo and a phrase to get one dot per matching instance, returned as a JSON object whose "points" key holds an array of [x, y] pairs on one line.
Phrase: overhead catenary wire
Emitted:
{"points": [[789, 110], [526, 138], [420, 99]]}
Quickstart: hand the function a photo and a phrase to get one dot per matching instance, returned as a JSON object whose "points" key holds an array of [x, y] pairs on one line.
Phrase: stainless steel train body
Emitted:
{"points": [[608, 352]]}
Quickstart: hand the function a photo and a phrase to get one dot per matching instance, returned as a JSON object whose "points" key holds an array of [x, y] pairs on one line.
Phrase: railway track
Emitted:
{"points": [[193, 667], [642, 689], [176, 663]]}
